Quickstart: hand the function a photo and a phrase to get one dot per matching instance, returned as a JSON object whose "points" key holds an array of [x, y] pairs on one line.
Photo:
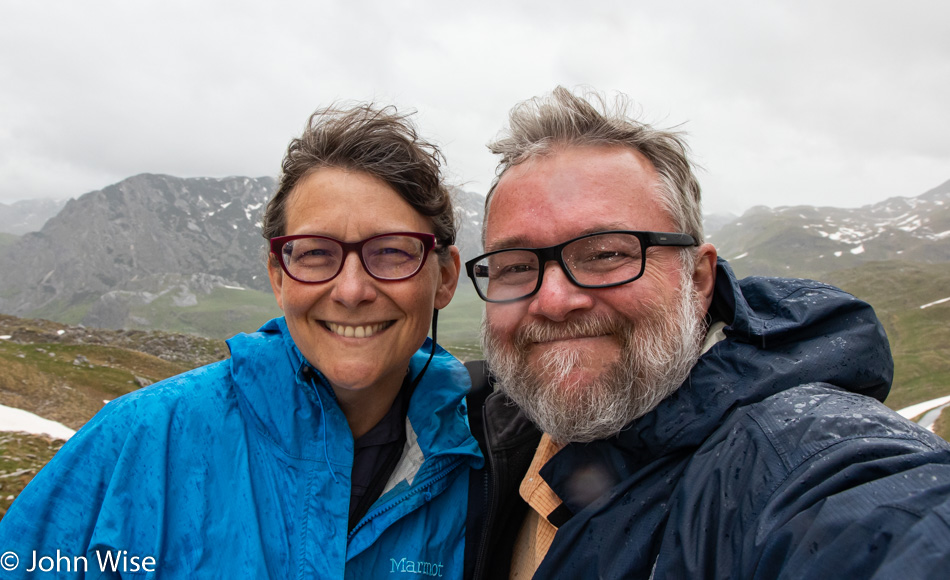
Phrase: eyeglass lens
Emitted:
{"points": [[600, 260], [319, 259]]}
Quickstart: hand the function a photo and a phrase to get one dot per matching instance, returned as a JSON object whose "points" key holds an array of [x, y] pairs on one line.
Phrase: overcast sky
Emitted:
{"points": [[835, 103]]}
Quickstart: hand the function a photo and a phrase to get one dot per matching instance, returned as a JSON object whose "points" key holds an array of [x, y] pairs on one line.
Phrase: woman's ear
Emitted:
{"points": [[449, 268], [276, 275]]}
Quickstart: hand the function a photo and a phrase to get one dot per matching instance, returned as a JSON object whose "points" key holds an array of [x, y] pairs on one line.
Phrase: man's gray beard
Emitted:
{"points": [[657, 354]]}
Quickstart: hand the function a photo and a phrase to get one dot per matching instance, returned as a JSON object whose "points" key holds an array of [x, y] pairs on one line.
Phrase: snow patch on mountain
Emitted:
{"points": [[12, 419]]}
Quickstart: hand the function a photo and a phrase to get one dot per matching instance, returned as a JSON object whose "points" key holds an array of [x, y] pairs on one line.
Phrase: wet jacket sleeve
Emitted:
{"points": [[813, 483]]}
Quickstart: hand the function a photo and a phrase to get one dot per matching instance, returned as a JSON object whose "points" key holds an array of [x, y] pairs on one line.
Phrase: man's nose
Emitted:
{"points": [[353, 285], [558, 297]]}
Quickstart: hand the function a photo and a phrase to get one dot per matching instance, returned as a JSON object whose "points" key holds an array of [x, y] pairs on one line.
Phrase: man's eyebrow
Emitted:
{"points": [[509, 242], [520, 241]]}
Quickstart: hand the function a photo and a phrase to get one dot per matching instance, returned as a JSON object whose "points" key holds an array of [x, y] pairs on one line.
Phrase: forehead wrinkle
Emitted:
{"points": [[521, 241]]}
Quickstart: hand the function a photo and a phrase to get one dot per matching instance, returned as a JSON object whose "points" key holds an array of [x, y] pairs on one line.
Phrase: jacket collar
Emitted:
{"points": [[290, 402]]}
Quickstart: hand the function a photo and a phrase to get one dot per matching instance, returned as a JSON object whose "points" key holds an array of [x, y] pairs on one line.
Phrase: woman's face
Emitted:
{"points": [[352, 206]]}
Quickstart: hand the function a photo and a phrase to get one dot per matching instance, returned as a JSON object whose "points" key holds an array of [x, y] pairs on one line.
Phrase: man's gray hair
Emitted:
{"points": [[541, 125]]}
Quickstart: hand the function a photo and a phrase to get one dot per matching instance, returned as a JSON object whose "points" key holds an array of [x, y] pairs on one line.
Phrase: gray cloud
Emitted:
{"points": [[834, 103]]}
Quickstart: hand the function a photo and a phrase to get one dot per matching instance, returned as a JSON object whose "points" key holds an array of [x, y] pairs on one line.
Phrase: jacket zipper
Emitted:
{"points": [[491, 484], [405, 497]]}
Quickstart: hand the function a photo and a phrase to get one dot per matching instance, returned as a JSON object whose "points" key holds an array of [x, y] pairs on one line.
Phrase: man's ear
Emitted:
{"points": [[449, 268], [704, 276], [276, 275]]}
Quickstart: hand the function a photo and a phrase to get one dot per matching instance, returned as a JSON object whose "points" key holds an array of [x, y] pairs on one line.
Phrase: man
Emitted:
{"points": [[694, 426]]}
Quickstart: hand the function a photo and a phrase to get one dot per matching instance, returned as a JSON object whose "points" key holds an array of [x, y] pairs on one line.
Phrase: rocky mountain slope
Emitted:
{"points": [[810, 242], [29, 215], [131, 235]]}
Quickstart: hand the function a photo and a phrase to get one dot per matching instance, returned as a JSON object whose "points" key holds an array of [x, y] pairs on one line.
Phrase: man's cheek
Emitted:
{"points": [[501, 324]]}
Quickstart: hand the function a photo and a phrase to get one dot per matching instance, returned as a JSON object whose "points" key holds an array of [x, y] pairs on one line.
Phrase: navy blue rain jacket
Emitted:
{"points": [[773, 460]]}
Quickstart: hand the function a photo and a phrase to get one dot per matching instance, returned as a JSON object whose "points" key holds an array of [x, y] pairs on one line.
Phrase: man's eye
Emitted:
{"points": [[515, 269], [608, 256], [606, 259]]}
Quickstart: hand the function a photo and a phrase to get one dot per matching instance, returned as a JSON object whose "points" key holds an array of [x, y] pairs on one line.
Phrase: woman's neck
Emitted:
{"points": [[365, 408]]}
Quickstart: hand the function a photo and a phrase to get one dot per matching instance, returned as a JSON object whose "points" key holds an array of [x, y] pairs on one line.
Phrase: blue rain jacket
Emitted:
{"points": [[772, 460], [241, 469]]}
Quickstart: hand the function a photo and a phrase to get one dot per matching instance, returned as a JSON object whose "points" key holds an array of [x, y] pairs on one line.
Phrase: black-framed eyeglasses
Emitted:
{"points": [[389, 257], [598, 260]]}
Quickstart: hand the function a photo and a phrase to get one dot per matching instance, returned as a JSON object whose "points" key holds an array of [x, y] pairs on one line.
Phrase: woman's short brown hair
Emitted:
{"points": [[378, 141]]}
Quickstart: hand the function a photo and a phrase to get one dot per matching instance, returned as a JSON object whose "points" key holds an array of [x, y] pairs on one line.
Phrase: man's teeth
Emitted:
{"points": [[356, 331]]}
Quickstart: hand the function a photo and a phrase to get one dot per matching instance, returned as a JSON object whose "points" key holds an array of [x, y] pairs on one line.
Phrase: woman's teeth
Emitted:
{"points": [[355, 331]]}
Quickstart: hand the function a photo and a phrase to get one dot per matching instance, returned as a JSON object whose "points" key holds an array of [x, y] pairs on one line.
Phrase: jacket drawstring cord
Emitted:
{"points": [[415, 381], [323, 417]]}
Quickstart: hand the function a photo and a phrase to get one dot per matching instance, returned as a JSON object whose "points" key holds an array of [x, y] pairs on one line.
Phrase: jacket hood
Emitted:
{"points": [[301, 405], [780, 333]]}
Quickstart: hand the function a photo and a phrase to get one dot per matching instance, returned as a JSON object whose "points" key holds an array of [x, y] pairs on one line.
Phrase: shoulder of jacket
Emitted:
{"points": [[807, 421], [202, 392]]}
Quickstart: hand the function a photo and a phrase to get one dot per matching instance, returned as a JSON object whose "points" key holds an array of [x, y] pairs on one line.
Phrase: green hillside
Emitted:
{"points": [[920, 338], [21, 457], [222, 313], [459, 323]]}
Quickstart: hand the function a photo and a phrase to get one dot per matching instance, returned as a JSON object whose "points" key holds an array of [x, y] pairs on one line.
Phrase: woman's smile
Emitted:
{"points": [[357, 331]]}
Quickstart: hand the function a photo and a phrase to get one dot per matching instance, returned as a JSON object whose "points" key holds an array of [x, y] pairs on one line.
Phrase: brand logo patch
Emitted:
{"points": [[406, 566]]}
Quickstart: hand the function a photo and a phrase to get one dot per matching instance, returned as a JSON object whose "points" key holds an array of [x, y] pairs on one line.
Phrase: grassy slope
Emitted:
{"points": [[69, 383], [459, 323], [942, 426], [920, 339], [221, 314], [21, 457]]}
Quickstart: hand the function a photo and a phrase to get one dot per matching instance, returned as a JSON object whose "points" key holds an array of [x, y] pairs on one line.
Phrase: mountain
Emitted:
{"points": [[134, 241], [160, 252], [713, 222], [28, 215], [469, 208], [186, 255], [810, 242]]}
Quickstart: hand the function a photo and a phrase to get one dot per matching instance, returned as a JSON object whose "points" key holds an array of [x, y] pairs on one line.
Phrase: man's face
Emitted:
{"points": [[569, 355]]}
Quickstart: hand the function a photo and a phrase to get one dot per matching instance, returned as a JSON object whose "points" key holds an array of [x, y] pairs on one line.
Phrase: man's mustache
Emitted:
{"points": [[588, 326]]}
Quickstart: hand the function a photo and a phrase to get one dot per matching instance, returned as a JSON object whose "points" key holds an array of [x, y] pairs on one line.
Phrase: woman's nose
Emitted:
{"points": [[353, 285]]}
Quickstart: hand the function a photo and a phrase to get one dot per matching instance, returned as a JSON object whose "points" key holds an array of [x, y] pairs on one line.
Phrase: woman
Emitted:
{"points": [[330, 445]]}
